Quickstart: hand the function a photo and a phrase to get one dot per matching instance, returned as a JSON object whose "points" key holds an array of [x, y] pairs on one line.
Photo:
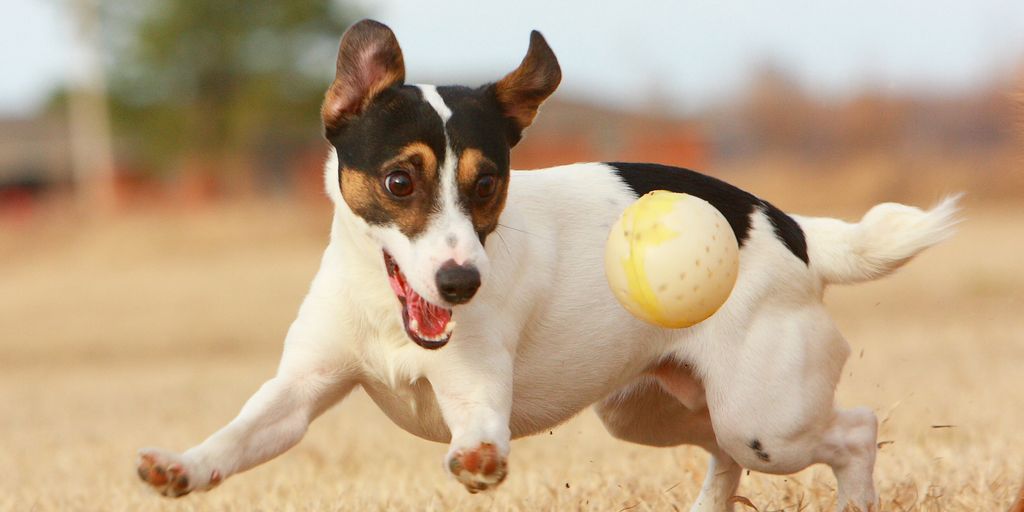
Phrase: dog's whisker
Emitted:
{"points": [[515, 229], [507, 248]]}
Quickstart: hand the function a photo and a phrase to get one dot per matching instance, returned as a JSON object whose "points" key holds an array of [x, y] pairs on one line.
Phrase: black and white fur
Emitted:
{"points": [[543, 337]]}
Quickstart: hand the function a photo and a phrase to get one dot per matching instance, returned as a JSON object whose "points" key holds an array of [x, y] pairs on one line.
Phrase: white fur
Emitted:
{"points": [[450, 234], [433, 98], [544, 338], [886, 238]]}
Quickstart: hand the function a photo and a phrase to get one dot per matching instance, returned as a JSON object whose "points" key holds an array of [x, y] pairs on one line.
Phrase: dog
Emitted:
{"points": [[470, 303]]}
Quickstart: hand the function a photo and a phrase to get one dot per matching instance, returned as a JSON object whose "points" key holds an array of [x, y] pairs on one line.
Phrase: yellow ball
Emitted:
{"points": [[671, 259]]}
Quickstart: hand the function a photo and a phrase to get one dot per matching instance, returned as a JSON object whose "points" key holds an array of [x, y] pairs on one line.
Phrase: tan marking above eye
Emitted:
{"points": [[417, 155], [472, 163]]}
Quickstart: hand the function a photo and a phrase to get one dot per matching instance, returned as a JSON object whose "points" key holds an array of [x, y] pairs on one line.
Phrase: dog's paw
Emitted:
{"points": [[171, 475], [479, 469]]}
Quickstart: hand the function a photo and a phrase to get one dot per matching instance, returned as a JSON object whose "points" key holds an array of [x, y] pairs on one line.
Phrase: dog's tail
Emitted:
{"points": [[888, 236]]}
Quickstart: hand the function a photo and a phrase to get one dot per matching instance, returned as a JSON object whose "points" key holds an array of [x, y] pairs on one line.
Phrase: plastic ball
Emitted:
{"points": [[671, 259]]}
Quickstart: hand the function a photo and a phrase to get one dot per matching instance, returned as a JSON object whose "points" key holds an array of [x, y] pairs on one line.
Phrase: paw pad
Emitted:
{"points": [[168, 476], [478, 469]]}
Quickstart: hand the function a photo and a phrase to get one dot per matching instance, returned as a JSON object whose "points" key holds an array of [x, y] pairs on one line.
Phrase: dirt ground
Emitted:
{"points": [[152, 328]]}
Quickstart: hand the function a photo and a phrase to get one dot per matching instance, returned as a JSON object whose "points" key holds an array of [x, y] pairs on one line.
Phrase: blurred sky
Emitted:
{"points": [[693, 54]]}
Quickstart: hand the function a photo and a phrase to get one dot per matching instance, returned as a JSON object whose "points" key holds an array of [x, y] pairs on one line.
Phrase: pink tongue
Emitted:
{"points": [[430, 318]]}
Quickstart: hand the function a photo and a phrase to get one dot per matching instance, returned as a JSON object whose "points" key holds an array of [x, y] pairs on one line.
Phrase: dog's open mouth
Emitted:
{"points": [[428, 325]]}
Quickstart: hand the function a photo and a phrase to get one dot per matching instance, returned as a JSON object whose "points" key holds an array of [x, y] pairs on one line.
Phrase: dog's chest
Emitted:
{"points": [[413, 407]]}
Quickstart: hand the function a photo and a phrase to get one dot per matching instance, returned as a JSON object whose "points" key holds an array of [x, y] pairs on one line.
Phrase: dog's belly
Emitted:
{"points": [[554, 379], [415, 409], [561, 371]]}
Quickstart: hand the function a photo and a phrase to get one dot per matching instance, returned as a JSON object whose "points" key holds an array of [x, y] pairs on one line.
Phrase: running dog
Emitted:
{"points": [[470, 302]]}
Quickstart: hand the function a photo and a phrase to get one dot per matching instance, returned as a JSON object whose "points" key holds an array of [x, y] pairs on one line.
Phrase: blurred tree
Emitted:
{"points": [[197, 85]]}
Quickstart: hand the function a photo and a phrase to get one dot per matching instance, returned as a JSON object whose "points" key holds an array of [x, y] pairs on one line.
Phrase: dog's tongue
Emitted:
{"points": [[430, 319]]}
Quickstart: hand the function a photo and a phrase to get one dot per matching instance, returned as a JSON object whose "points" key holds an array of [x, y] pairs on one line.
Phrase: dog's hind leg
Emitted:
{"points": [[720, 484], [771, 399], [849, 448]]}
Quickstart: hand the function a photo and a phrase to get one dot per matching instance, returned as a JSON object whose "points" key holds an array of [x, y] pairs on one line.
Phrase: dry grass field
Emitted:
{"points": [[153, 328]]}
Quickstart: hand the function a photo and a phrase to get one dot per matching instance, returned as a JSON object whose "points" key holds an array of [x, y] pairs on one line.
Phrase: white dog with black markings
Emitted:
{"points": [[470, 301]]}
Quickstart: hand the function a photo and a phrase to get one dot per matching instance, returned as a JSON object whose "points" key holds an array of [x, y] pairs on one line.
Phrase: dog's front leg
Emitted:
{"points": [[273, 420], [315, 372], [473, 385]]}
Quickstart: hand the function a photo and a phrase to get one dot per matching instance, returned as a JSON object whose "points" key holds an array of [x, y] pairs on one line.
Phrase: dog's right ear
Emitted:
{"points": [[369, 61]]}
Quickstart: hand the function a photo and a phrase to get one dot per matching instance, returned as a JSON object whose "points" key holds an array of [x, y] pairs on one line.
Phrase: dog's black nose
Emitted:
{"points": [[457, 283]]}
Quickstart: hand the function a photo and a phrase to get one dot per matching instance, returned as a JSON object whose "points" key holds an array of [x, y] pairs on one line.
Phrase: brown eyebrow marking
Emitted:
{"points": [[473, 163], [419, 155], [470, 162]]}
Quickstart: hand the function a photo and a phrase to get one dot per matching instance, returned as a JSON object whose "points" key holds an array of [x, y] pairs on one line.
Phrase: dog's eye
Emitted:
{"points": [[398, 183], [485, 186]]}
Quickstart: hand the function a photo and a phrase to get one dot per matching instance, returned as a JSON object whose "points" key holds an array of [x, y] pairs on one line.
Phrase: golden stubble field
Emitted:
{"points": [[152, 328]]}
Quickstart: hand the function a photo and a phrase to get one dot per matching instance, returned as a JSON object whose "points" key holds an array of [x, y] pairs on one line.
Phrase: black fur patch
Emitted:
{"points": [[788, 231], [396, 117], [399, 116], [759, 450], [477, 123], [735, 204]]}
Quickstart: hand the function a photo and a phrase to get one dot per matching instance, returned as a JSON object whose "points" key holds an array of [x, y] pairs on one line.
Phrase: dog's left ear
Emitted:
{"points": [[369, 61], [522, 91]]}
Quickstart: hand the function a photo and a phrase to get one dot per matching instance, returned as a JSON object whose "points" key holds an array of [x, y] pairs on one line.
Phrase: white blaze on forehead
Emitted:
{"points": [[446, 171], [450, 233], [432, 97]]}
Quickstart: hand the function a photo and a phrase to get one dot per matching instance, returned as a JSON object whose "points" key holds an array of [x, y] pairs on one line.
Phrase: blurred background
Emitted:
{"points": [[191, 100], [162, 212]]}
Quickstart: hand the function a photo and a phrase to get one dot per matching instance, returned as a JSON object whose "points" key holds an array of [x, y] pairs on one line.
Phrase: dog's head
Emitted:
{"points": [[427, 168]]}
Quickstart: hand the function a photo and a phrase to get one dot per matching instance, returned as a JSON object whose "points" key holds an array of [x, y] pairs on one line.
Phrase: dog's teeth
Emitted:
{"points": [[439, 337], [414, 325], [449, 328]]}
